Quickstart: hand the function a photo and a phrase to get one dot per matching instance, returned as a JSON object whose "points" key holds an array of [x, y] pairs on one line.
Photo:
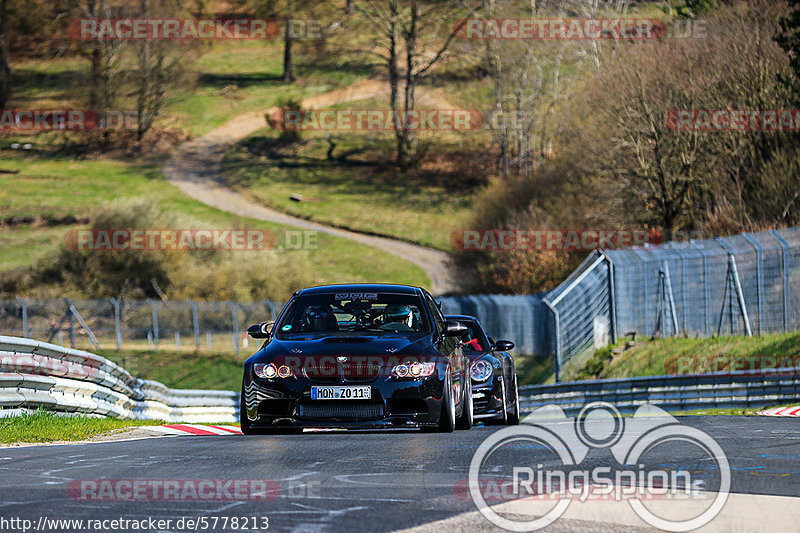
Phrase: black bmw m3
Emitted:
{"points": [[357, 356]]}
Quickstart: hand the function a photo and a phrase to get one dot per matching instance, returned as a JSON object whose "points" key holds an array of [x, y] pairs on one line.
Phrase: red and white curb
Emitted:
{"points": [[195, 429], [207, 430], [782, 411]]}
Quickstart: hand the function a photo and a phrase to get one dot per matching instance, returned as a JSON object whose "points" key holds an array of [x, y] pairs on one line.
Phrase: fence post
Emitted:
{"points": [[271, 307], [612, 297], [684, 283], [71, 324], [155, 322], [740, 295], [235, 320], [785, 257], [646, 291], [706, 296], [24, 309], [556, 339], [759, 278], [117, 329], [195, 324]]}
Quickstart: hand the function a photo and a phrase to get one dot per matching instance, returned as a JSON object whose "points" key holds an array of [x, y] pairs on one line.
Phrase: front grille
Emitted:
{"points": [[480, 404], [343, 372], [341, 410]]}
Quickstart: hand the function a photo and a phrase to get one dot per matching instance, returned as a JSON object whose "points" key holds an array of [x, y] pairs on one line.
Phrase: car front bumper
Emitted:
{"points": [[394, 403]]}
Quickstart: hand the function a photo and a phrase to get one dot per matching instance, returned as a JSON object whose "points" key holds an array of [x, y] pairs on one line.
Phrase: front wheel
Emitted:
{"points": [[447, 417], [465, 421], [513, 416]]}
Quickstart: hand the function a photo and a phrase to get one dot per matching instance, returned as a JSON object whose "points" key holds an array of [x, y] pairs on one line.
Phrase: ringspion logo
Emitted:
{"points": [[537, 469]]}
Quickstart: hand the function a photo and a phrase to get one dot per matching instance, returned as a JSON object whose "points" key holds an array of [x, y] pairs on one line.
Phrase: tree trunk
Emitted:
{"points": [[288, 74], [5, 67], [95, 90]]}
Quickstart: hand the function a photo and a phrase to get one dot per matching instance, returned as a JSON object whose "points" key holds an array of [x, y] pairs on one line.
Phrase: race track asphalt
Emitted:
{"points": [[342, 481]]}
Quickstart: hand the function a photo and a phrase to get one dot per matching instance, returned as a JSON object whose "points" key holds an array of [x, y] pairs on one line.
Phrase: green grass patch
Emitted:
{"points": [[534, 370], [690, 355], [44, 426], [183, 370], [357, 187], [60, 186]]}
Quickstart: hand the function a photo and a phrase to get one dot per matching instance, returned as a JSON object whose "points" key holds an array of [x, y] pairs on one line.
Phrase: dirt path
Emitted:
{"points": [[195, 170]]}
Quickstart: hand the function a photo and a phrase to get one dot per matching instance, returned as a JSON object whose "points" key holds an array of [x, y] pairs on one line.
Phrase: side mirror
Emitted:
{"points": [[454, 329], [503, 346], [260, 331]]}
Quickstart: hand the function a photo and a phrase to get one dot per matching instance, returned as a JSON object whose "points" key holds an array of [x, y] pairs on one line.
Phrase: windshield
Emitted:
{"points": [[348, 312], [474, 340]]}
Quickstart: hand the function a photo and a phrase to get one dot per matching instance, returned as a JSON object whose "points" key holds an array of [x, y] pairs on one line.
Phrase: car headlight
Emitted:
{"points": [[414, 370], [270, 371], [480, 370]]}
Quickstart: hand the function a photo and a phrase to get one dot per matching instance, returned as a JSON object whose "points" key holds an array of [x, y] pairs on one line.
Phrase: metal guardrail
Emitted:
{"points": [[40, 374], [735, 389]]}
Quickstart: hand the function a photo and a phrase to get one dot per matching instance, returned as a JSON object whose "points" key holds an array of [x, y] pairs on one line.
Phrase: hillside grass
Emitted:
{"points": [[357, 187], [661, 356]]}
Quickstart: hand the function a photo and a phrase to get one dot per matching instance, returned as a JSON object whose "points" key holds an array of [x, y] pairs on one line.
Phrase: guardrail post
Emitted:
{"points": [[195, 324], [785, 257], [155, 321], [235, 320], [759, 278], [24, 310], [117, 329]]}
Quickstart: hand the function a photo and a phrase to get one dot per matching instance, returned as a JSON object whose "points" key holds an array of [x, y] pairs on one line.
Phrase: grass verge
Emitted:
{"points": [[44, 426]]}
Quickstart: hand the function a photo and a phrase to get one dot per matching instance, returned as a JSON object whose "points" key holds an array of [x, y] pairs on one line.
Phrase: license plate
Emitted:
{"points": [[341, 393]]}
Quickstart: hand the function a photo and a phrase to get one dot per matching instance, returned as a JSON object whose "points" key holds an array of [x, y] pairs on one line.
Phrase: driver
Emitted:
{"points": [[319, 318], [397, 313]]}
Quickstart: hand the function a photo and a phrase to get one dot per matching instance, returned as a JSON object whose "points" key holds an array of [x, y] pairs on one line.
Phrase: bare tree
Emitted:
{"points": [[415, 37]]}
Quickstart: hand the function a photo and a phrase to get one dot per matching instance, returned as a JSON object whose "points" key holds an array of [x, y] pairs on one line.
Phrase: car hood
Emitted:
{"points": [[361, 345]]}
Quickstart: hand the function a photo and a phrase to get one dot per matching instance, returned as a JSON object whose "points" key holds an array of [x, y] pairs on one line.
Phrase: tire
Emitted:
{"points": [[512, 419], [466, 419], [447, 417]]}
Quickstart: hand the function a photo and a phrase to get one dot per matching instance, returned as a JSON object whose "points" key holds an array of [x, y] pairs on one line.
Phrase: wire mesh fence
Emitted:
{"points": [[136, 324], [747, 284], [740, 285]]}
